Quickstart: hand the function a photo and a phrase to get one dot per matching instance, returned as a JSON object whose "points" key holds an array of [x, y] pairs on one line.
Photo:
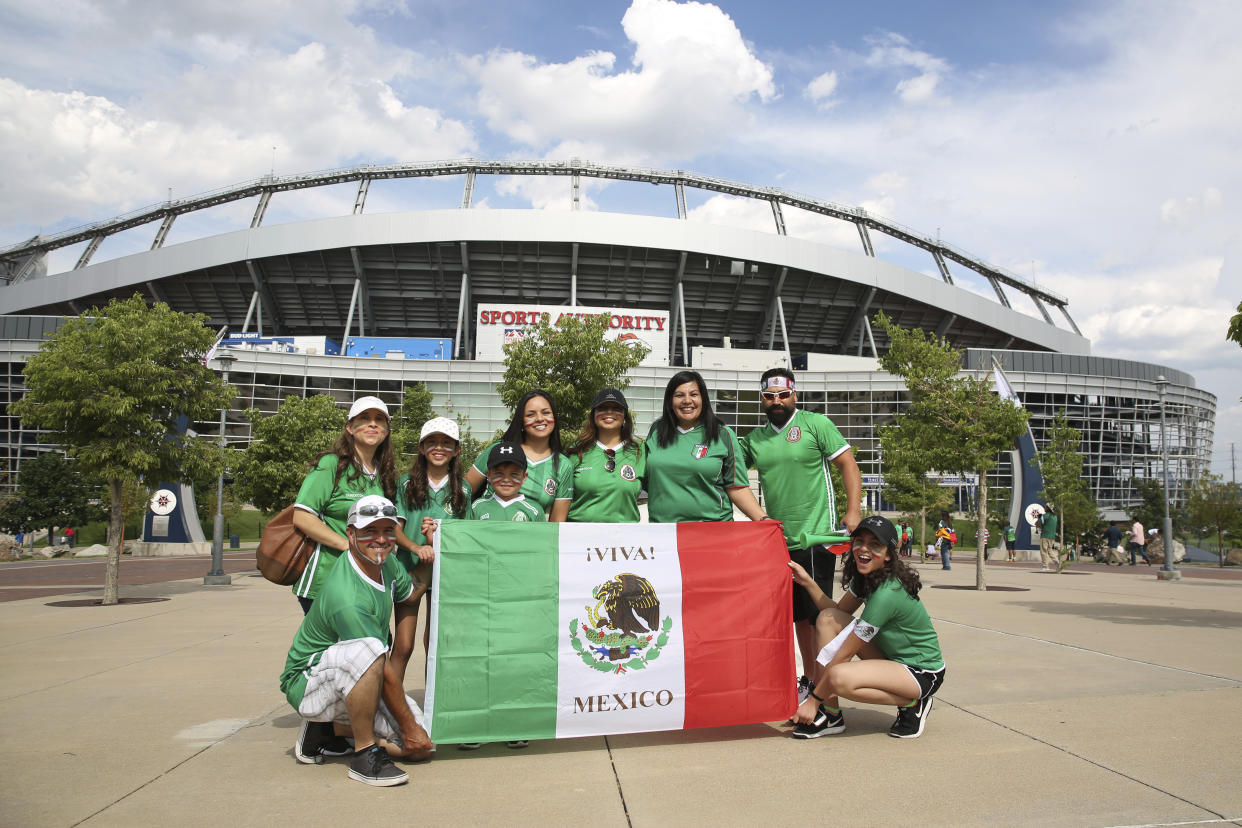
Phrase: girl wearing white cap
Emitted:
{"points": [[433, 488], [360, 462]]}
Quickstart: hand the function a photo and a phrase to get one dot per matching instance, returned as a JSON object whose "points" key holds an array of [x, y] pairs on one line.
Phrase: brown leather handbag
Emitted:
{"points": [[283, 549]]}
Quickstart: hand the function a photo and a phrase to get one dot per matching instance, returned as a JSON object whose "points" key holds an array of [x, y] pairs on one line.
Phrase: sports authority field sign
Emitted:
{"points": [[500, 323]]}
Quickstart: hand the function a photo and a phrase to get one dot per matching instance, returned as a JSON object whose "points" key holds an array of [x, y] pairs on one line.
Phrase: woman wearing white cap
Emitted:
{"points": [[433, 488], [360, 462]]}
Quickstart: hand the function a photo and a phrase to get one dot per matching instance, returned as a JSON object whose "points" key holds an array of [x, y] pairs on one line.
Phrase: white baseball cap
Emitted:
{"points": [[366, 404], [440, 425], [370, 508]]}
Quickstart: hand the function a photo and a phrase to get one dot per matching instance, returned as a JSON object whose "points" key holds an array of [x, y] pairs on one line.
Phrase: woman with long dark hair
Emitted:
{"points": [[695, 468], [901, 663], [435, 488], [549, 478], [608, 464], [360, 462]]}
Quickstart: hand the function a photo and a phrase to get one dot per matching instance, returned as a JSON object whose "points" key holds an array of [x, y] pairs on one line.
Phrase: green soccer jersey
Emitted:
{"points": [[1050, 526], [330, 503], [1011, 533], [900, 626], [546, 480], [686, 481], [793, 471], [350, 605], [438, 506], [491, 507], [602, 496]]}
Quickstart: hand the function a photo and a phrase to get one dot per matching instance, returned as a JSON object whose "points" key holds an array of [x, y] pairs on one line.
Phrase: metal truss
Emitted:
{"points": [[263, 188]]}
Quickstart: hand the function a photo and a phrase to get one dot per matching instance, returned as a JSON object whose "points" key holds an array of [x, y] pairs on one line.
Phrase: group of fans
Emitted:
{"points": [[374, 529]]}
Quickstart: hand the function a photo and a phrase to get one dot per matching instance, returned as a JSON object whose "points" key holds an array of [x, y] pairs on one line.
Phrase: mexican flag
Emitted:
{"points": [[549, 630]]}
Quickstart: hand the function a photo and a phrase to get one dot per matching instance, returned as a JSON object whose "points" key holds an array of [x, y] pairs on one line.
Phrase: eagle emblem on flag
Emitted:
{"points": [[625, 631]]}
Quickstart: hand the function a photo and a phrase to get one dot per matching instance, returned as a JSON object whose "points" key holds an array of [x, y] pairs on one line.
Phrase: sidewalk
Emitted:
{"points": [[1094, 698]]}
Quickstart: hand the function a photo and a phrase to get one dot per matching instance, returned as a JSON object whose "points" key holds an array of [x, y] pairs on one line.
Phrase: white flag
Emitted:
{"points": [[1003, 387]]}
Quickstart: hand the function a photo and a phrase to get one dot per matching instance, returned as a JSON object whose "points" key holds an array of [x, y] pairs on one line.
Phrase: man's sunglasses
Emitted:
{"points": [[371, 510], [775, 395]]}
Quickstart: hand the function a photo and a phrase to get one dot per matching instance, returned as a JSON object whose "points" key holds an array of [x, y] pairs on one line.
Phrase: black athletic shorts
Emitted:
{"points": [[929, 680], [822, 565]]}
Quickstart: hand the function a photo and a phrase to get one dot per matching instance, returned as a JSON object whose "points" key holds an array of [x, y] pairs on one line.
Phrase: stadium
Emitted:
{"points": [[366, 303]]}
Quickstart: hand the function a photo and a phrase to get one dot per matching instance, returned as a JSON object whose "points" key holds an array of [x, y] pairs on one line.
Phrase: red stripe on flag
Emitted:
{"points": [[738, 623]]}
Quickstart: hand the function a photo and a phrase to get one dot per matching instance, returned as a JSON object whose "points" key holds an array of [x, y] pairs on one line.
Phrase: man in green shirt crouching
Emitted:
{"points": [[337, 672]]}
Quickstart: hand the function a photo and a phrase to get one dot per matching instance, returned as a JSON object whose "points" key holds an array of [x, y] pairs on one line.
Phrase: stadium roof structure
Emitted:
{"points": [[422, 272]]}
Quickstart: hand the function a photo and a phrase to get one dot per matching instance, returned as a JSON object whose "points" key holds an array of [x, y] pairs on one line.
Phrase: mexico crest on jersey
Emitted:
{"points": [[700, 451], [627, 472], [518, 517], [550, 486], [794, 435]]}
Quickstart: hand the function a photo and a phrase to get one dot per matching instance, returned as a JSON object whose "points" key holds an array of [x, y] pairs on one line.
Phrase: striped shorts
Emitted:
{"points": [[333, 678]]}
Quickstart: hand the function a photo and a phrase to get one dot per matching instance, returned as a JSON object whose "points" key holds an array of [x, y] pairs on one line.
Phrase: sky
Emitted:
{"points": [[1094, 147]]}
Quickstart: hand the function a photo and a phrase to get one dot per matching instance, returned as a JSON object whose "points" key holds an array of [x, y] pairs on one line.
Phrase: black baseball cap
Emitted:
{"points": [[879, 526], [506, 452], [609, 395]]}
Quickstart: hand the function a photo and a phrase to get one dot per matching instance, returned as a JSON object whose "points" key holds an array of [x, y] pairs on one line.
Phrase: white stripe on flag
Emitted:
{"points": [[597, 691]]}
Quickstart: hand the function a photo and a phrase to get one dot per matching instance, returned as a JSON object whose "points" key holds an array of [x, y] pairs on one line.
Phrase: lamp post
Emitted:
{"points": [[217, 576], [1166, 572]]}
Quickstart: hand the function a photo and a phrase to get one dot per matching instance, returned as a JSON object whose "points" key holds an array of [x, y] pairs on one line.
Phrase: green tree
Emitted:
{"points": [[1060, 464], [283, 445], [1150, 509], [572, 361], [51, 492], [111, 387], [1216, 506], [1235, 326], [956, 423], [907, 484]]}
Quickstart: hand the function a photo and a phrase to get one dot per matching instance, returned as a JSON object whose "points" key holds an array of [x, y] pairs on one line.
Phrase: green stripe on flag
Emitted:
{"points": [[495, 671]]}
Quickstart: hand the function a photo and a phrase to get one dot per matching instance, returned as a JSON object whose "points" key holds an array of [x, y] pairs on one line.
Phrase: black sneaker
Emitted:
{"points": [[518, 744], [804, 688], [825, 724], [373, 766], [911, 720], [470, 746], [317, 740]]}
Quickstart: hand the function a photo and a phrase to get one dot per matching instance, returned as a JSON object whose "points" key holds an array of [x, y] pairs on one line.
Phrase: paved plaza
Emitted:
{"points": [[1097, 698]]}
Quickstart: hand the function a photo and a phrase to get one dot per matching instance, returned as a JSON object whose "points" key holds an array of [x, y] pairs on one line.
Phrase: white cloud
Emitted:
{"points": [[893, 51], [692, 75], [819, 90], [1180, 211]]}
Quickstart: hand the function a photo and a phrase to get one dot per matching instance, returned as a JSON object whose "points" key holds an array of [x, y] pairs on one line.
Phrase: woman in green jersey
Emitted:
{"points": [[360, 462], [435, 488], [607, 463], [549, 479], [900, 664], [695, 469]]}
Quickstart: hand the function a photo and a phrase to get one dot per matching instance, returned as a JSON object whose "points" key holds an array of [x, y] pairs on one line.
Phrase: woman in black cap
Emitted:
{"points": [[608, 463], [901, 661]]}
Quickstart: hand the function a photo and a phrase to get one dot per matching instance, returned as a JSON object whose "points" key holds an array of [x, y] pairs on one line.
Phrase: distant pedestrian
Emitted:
{"points": [[1138, 543], [1048, 554], [70, 534], [1011, 539], [1112, 540]]}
